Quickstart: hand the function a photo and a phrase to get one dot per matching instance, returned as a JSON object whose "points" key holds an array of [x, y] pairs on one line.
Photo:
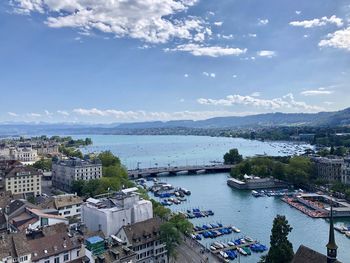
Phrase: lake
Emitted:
{"points": [[252, 215]]}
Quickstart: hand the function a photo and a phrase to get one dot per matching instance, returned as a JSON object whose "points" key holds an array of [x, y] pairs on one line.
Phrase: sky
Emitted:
{"points": [[118, 61]]}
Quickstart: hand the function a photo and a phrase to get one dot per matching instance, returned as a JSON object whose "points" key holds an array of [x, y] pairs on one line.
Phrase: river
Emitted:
{"points": [[253, 216]]}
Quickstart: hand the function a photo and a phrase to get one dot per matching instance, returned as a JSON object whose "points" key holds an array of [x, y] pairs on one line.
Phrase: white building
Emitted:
{"points": [[65, 172], [111, 214], [26, 155], [14, 249], [23, 180]]}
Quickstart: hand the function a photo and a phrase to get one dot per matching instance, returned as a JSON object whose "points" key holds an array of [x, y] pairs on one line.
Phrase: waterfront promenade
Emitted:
{"points": [[174, 170], [191, 251]]}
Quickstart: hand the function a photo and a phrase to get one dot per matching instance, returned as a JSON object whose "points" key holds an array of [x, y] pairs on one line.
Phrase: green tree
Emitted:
{"points": [[281, 250], [232, 157], [77, 187], [171, 236], [43, 164], [108, 159], [181, 223]]}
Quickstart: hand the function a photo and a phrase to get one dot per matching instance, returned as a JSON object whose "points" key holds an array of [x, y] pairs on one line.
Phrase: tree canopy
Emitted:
{"points": [[232, 157], [281, 250]]}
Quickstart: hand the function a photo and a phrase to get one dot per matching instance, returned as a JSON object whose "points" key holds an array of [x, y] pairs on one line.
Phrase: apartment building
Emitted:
{"points": [[65, 172], [23, 180]]}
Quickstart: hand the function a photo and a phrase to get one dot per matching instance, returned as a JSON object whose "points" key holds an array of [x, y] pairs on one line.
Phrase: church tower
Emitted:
{"points": [[331, 246]]}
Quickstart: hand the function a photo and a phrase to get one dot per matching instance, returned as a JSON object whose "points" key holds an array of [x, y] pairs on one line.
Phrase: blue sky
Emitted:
{"points": [[137, 60]]}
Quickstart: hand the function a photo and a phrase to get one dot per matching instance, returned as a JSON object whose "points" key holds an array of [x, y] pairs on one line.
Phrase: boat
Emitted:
{"points": [[218, 245], [247, 250], [347, 233], [249, 239], [223, 254], [235, 229], [230, 243], [241, 251], [212, 248]]}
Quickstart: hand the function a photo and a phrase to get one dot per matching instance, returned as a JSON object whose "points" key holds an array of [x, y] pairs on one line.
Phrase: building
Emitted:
{"points": [[14, 249], [256, 183], [345, 177], [110, 214], [111, 250], [44, 149], [25, 154], [53, 245], [144, 239], [65, 172], [23, 180], [67, 205], [329, 169]]}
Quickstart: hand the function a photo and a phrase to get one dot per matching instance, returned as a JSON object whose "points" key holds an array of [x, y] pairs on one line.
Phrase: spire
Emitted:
{"points": [[331, 246]]}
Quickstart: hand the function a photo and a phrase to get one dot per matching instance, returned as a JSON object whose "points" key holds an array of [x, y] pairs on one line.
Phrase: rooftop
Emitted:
{"points": [[307, 255]]}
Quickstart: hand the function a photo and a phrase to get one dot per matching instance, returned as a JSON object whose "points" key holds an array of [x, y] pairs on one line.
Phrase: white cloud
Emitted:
{"points": [[149, 116], [298, 12], [328, 103], [149, 20], [48, 114], [211, 51], [230, 36], [62, 112], [12, 114], [234, 76], [318, 22], [285, 102], [33, 115], [306, 36], [186, 75], [339, 39], [219, 23], [316, 92], [255, 94], [212, 75], [266, 53], [263, 22], [182, 100], [252, 35]]}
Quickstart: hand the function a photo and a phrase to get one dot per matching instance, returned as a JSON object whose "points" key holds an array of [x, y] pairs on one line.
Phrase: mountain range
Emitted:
{"points": [[336, 118]]}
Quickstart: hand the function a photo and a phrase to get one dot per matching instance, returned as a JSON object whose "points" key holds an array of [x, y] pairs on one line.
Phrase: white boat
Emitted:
{"points": [[240, 250], [212, 248], [249, 239], [223, 254], [235, 229], [218, 245], [230, 243], [347, 233], [224, 244]]}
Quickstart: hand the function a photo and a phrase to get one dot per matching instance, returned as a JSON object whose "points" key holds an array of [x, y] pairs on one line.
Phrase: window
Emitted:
{"points": [[66, 257], [57, 260], [67, 212], [47, 261]]}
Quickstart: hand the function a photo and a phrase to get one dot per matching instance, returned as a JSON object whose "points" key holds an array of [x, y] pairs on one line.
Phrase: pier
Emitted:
{"points": [[175, 170]]}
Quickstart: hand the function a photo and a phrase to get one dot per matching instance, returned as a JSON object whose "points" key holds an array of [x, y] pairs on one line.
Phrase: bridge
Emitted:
{"points": [[155, 171]]}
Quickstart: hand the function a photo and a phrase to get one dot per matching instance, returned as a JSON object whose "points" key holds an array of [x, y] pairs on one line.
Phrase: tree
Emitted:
{"points": [[232, 157], [281, 250], [108, 159], [43, 164], [170, 235]]}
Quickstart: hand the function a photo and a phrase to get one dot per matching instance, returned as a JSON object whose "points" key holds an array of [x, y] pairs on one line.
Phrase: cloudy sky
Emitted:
{"points": [[135, 60]]}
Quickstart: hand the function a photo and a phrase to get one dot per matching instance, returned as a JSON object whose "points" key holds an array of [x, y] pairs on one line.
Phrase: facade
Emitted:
{"points": [[329, 169], [53, 245], [25, 154], [47, 149], [67, 205], [23, 180], [345, 179], [144, 239], [65, 172], [110, 214]]}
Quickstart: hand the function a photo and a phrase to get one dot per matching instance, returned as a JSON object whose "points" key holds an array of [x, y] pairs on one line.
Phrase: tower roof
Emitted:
{"points": [[331, 243]]}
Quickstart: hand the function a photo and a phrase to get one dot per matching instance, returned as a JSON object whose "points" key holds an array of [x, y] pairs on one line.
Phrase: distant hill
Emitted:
{"points": [[337, 118], [269, 119]]}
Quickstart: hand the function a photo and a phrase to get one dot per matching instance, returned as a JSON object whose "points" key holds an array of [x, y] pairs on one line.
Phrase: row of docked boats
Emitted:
{"points": [[277, 193], [231, 249], [173, 201], [197, 213]]}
